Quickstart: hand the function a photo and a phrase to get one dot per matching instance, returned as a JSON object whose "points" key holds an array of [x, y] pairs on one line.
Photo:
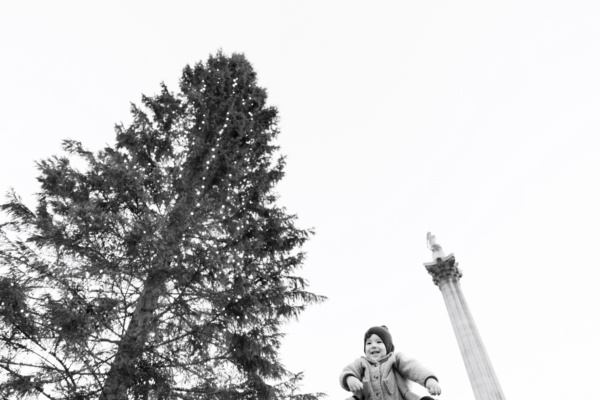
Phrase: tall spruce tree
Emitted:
{"points": [[164, 268]]}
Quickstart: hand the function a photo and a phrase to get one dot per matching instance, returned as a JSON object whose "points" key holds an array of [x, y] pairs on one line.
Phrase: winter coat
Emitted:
{"points": [[378, 377]]}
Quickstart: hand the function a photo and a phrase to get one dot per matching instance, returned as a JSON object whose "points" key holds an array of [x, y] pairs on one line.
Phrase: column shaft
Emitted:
{"points": [[479, 368]]}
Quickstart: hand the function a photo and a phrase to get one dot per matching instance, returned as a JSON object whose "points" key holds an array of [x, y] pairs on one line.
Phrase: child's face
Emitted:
{"points": [[374, 347]]}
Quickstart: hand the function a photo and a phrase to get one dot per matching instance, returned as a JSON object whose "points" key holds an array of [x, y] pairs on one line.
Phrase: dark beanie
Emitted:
{"points": [[384, 334]]}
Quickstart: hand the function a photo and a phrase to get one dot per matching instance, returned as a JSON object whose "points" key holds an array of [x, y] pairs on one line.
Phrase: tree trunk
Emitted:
{"points": [[121, 373], [123, 369]]}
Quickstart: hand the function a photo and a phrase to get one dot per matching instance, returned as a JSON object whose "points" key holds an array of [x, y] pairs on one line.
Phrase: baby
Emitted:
{"points": [[381, 374]]}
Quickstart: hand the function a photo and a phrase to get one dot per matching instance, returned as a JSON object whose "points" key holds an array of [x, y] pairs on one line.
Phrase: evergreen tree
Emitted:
{"points": [[163, 269]]}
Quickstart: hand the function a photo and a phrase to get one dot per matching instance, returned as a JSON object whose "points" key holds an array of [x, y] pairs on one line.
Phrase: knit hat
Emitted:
{"points": [[384, 334]]}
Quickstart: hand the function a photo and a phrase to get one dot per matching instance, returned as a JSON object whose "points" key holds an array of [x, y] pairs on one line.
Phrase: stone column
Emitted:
{"points": [[446, 275]]}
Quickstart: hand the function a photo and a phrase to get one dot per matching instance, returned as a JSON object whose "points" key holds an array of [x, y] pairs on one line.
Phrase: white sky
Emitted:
{"points": [[478, 121]]}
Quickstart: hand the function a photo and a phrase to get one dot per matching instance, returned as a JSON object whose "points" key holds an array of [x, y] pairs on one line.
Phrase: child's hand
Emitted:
{"points": [[433, 386], [354, 384]]}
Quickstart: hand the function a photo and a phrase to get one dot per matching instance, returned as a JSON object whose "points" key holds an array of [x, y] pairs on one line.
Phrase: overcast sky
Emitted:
{"points": [[478, 121]]}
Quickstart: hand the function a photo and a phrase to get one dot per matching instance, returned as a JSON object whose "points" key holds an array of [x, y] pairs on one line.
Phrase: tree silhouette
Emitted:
{"points": [[163, 268]]}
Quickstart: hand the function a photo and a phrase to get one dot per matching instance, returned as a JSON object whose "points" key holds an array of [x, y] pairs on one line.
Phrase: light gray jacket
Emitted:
{"points": [[378, 377]]}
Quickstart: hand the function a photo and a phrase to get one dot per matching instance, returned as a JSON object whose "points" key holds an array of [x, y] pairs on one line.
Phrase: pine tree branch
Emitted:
{"points": [[16, 374]]}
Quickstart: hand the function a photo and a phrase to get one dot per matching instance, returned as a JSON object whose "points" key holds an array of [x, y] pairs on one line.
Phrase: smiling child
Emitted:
{"points": [[381, 374]]}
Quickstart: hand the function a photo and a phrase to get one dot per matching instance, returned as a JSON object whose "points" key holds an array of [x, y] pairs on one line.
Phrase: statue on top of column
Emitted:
{"points": [[431, 242], [436, 249]]}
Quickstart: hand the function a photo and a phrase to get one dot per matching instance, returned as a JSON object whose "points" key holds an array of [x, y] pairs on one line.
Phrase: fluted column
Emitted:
{"points": [[446, 275]]}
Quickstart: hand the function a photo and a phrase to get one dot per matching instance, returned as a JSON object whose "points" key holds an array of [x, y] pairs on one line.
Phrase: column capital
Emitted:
{"points": [[443, 268]]}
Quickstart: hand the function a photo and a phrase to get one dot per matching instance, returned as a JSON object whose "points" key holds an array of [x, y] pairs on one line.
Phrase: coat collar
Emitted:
{"points": [[381, 360]]}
